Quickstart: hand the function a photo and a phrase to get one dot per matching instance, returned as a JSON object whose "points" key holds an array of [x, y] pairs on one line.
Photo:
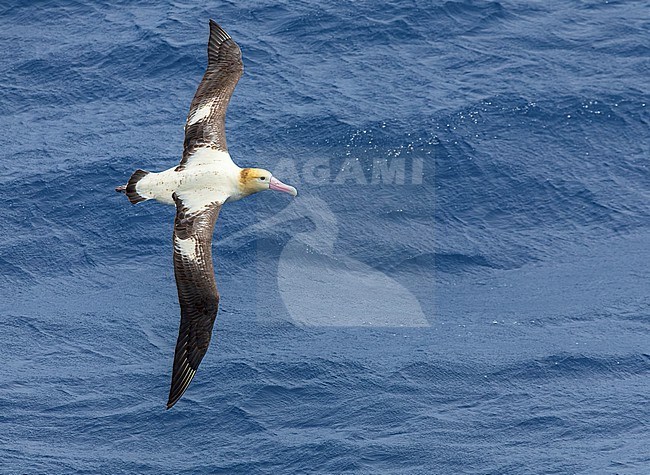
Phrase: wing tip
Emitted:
{"points": [[217, 31], [179, 386], [174, 398]]}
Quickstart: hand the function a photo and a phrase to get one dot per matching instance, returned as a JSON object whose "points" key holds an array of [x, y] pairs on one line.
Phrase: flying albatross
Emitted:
{"points": [[205, 179]]}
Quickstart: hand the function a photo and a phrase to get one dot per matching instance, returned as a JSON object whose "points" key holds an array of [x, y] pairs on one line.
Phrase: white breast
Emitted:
{"points": [[208, 176]]}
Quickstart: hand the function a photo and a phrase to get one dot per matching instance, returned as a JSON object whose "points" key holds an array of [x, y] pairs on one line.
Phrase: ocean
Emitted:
{"points": [[461, 285]]}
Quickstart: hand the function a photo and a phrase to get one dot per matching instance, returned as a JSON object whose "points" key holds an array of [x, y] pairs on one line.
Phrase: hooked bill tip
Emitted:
{"points": [[277, 185]]}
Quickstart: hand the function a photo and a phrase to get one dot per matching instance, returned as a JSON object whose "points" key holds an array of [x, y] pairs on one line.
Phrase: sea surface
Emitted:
{"points": [[461, 286]]}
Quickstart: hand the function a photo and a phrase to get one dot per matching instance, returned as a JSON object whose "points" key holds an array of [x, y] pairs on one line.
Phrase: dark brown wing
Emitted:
{"points": [[197, 291], [205, 125]]}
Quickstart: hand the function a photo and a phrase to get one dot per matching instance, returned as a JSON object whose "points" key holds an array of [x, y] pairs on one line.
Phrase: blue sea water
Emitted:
{"points": [[461, 285]]}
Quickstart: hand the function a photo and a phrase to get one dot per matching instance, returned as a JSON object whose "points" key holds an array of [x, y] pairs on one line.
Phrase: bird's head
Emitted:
{"points": [[254, 180]]}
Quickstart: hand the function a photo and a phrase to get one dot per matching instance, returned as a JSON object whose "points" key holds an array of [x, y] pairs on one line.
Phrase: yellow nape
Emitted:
{"points": [[253, 180]]}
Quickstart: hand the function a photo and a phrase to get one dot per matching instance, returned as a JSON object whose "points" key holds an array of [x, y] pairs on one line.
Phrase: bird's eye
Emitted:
{"points": [[262, 178]]}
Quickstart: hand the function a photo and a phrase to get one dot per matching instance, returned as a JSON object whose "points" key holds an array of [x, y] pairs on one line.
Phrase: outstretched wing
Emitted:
{"points": [[197, 291], [205, 126]]}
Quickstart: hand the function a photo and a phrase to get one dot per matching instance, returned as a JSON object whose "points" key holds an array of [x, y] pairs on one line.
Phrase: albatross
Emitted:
{"points": [[205, 179]]}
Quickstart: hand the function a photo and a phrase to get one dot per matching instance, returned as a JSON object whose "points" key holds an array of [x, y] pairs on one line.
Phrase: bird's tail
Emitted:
{"points": [[130, 188]]}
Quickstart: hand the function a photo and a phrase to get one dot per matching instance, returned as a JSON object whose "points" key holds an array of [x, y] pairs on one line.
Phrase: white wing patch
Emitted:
{"points": [[217, 159], [200, 113], [187, 247]]}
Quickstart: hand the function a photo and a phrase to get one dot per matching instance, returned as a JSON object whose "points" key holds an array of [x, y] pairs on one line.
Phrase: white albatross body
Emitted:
{"points": [[205, 179], [210, 176]]}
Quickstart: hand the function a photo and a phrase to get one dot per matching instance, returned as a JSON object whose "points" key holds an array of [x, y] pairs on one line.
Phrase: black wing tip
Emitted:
{"points": [[176, 396], [181, 380], [218, 31]]}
